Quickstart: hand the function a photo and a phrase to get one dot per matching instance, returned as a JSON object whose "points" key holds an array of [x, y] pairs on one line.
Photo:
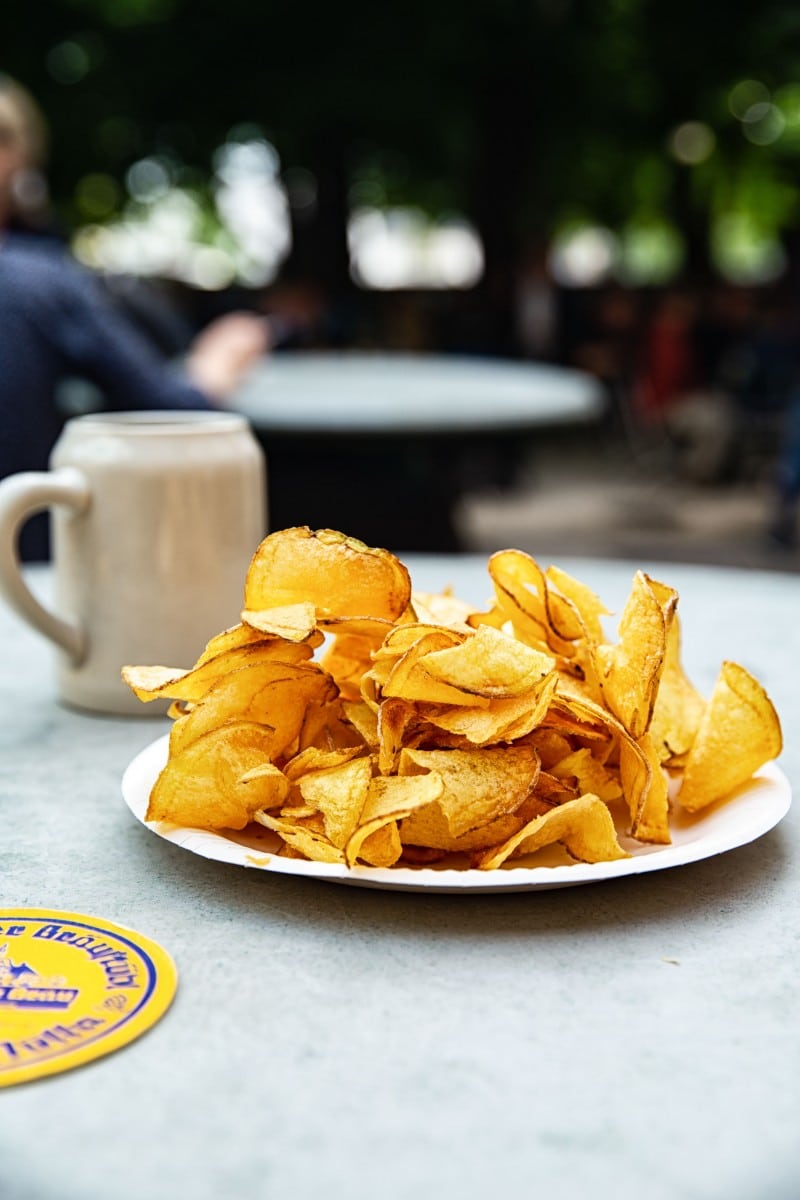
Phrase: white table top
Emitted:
{"points": [[405, 393], [635, 1039]]}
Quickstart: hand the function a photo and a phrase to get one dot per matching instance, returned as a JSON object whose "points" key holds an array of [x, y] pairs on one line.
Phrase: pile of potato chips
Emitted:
{"points": [[365, 723]]}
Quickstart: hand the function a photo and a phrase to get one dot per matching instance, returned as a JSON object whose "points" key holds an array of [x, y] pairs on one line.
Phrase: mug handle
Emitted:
{"points": [[21, 496]]}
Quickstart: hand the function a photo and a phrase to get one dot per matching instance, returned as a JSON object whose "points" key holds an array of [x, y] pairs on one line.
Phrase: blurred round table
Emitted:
{"points": [[382, 446]]}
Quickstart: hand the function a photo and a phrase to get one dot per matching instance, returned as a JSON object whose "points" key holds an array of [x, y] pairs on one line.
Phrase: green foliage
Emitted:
{"points": [[525, 109]]}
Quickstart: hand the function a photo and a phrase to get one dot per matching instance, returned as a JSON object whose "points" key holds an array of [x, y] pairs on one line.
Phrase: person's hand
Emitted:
{"points": [[222, 353]]}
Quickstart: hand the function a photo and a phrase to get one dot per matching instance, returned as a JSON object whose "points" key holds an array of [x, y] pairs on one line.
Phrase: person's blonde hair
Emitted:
{"points": [[21, 120]]}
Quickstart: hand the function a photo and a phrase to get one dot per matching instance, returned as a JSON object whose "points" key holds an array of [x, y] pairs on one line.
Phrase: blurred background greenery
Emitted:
{"points": [[420, 147]]}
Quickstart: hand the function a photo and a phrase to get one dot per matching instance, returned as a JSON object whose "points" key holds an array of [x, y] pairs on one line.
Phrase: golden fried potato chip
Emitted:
{"points": [[306, 842], [339, 794], [204, 786], [340, 576], [478, 785], [589, 774], [173, 683], [503, 720], [364, 721], [405, 637], [231, 639], [489, 663], [275, 695], [640, 771], [679, 707], [409, 680], [347, 659], [428, 829], [738, 733], [630, 672], [382, 847], [390, 800], [645, 788], [441, 608], [295, 622], [313, 758], [584, 826], [589, 606], [324, 728]]}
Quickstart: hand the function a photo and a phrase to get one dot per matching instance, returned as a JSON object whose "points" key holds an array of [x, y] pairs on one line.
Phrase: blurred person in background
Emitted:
{"points": [[57, 322]]}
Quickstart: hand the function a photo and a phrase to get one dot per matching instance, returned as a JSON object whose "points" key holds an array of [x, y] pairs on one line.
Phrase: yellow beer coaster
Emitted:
{"points": [[73, 988]]}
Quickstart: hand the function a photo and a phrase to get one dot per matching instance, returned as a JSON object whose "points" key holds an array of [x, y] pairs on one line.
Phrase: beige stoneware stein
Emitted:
{"points": [[155, 519]]}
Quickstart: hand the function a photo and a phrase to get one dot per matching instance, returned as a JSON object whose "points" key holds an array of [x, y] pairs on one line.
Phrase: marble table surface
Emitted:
{"points": [[637, 1038]]}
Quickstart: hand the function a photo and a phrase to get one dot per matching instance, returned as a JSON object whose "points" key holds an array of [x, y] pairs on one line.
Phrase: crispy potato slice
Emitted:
{"points": [[347, 659], [275, 695], [441, 608], [590, 775], [502, 721], [428, 829], [738, 733], [584, 826], [340, 576], [382, 848], [339, 793], [478, 785], [173, 683], [230, 639], [408, 679], [313, 758], [645, 788], [295, 622], [679, 707], [489, 663], [639, 769], [388, 801], [630, 672], [204, 787], [589, 606], [305, 842]]}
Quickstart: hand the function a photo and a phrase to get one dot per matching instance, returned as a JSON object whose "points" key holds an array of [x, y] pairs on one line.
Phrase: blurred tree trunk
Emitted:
{"points": [[319, 229], [506, 148]]}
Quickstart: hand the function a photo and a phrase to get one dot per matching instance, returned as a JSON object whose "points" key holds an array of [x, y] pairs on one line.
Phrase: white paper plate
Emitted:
{"points": [[757, 808]]}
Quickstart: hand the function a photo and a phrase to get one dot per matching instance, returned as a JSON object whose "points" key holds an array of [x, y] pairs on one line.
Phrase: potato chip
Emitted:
{"points": [[441, 608], [409, 680], [630, 672], [153, 683], [502, 720], [428, 828], [390, 800], [645, 788], [275, 695], [308, 843], [738, 733], [478, 785], [313, 758], [203, 785], [489, 663], [340, 576], [339, 794], [295, 622], [589, 606], [589, 774], [584, 826], [679, 707]]}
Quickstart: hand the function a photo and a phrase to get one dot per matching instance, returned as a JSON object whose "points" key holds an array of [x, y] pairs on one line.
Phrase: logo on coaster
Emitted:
{"points": [[73, 988]]}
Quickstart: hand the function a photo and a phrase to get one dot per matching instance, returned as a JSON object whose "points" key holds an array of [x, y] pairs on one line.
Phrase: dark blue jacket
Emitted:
{"points": [[56, 323]]}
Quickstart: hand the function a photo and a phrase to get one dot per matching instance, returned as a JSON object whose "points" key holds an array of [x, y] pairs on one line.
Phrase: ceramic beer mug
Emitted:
{"points": [[155, 519]]}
